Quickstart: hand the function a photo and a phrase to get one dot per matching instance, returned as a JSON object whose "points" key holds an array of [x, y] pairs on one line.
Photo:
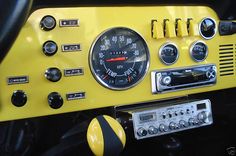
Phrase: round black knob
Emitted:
{"points": [[49, 48], [53, 74], [48, 23], [55, 100], [19, 98]]}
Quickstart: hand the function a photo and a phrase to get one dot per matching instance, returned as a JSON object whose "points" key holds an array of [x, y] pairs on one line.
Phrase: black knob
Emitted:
{"points": [[48, 23], [53, 74], [49, 48], [207, 28], [19, 98], [55, 100]]}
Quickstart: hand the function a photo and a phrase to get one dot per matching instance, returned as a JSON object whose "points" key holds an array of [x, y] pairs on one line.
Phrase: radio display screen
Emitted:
{"points": [[201, 106], [147, 117]]}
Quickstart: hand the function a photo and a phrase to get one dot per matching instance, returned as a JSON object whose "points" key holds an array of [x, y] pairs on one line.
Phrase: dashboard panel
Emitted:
{"points": [[26, 71]]}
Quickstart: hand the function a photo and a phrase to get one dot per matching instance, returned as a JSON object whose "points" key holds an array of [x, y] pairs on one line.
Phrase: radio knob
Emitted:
{"points": [[55, 100], [183, 123], [202, 116], [152, 130], [191, 121], [166, 80], [141, 132], [53, 74], [172, 125], [163, 128]]}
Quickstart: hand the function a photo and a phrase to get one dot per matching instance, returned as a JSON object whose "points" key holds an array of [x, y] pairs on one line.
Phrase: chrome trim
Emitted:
{"points": [[163, 46], [71, 25], [98, 79], [199, 28], [73, 44], [18, 82], [191, 49]]}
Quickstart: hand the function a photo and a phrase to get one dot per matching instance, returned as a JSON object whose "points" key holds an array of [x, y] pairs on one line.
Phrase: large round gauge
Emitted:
{"points": [[199, 51], [119, 58], [168, 53]]}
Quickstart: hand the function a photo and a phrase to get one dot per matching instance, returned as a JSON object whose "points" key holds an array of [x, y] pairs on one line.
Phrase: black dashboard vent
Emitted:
{"points": [[226, 59]]}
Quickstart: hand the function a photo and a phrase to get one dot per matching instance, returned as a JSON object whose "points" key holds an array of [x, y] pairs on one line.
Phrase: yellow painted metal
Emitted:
{"points": [[26, 58]]}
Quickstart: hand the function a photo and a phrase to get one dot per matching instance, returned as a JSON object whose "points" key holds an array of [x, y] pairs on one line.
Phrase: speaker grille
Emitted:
{"points": [[227, 59]]}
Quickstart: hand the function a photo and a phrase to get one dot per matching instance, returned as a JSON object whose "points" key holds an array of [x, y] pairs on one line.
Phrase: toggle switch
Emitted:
{"points": [[157, 30], [192, 27], [169, 28], [181, 28]]}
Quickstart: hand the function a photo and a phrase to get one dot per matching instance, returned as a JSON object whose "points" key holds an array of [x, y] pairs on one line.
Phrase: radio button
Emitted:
{"points": [[152, 130], [141, 132], [163, 128]]}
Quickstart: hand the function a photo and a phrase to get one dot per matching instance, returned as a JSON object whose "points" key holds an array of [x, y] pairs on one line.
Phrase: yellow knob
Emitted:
{"points": [[106, 136]]}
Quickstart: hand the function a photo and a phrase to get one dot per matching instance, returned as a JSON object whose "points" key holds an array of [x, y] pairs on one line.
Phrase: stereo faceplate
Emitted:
{"points": [[156, 121], [183, 78]]}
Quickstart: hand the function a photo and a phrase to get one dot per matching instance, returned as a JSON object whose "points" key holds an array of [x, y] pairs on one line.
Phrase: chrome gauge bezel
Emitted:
{"points": [[162, 47], [98, 79], [199, 28], [191, 51]]}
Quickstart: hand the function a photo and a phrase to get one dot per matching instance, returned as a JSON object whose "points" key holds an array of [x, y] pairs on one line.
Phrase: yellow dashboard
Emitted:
{"points": [[74, 35]]}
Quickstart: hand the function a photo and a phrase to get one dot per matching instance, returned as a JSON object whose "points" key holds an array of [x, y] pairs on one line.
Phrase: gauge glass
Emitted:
{"points": [[168, 53], [199, 51], [119, 58]]}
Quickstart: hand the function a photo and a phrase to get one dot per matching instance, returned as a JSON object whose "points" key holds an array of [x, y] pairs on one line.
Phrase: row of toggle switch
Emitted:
{"points": [[179, 28], [162, 128]]}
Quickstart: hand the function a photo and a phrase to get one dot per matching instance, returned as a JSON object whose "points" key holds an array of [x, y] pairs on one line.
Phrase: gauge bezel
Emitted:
{"points": [[98, 79], [199, 28], [191, 51], [162, 47]]}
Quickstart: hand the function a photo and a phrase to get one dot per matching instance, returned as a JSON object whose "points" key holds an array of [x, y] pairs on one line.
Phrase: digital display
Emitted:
{"points": [[147, 117], [201, 106]]}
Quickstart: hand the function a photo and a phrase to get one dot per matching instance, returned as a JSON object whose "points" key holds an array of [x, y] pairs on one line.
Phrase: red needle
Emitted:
{"points": [[116, 59]]}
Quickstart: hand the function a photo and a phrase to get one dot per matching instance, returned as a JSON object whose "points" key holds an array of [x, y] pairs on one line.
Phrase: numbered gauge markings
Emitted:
{"points": [[119, 58], [168, 53], [199, 51]]}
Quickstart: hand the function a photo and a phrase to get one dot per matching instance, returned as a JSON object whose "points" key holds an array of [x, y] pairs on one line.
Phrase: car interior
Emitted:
{"points": [[117, 78]]}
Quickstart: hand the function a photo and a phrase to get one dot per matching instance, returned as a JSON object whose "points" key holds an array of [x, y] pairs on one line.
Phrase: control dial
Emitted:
{"points": [[141, 132], [53, 74], [202, 116], [48, 23], [19, 98], [49, 48], [165, 80], [163, 128], [55, 100], [152, 130]]}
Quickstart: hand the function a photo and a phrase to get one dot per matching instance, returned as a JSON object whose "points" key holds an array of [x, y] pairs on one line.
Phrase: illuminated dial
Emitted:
{"points": [[119, 58], [199, 51], [168, 53]]}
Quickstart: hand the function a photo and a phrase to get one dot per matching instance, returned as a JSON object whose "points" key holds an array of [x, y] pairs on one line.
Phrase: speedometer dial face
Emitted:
{"points": [[119, 58]]}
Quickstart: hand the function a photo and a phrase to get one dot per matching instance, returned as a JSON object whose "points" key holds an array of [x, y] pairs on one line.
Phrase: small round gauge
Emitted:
{"points": [[199, 51], [119, 58], [168, 53], [207, 28]]}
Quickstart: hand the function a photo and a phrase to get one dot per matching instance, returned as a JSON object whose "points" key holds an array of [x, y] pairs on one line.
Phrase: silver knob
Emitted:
{"points": [[202, 116], [183, 124], [191, 121], [163, 128], [172, 125], [141, 132], [166, 80], [152, 130]]}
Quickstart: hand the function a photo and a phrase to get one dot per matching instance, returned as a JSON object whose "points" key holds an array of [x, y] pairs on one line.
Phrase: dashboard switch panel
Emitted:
{"points": [[183, 78], [170, 118]]}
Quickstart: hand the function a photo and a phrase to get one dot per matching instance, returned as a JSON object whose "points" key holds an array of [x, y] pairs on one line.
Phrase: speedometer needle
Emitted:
{"points": [[116, 59]]}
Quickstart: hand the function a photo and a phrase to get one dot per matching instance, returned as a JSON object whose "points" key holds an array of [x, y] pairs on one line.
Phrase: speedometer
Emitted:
{"points": [[119, 58]]}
